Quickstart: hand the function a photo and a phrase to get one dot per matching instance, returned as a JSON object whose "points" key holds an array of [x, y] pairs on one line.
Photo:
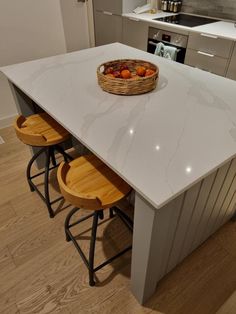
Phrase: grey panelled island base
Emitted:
{"points": [[175, 146]]}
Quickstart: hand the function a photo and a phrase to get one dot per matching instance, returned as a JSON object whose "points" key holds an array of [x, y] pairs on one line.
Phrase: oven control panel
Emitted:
{"points": [[175, 39]]}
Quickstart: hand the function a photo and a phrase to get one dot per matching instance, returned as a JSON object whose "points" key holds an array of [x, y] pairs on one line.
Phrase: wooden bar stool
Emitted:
{"points": [[41, 130], [87, 182]]}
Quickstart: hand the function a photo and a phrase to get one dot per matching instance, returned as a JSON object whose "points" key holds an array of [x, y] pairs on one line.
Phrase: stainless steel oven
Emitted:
{"points": [[176, 40]]}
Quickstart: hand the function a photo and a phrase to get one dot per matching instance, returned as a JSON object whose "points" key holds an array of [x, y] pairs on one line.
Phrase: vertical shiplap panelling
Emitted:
{"points": [[219, 180], [230, 213], [174, 209], [218, 205], [225, 208], [167, 220], [186, 213], [205, 190], [184, 223]]}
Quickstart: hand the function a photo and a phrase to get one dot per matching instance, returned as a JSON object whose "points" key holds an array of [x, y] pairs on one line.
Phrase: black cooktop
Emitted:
{"points": [[186, 20]]}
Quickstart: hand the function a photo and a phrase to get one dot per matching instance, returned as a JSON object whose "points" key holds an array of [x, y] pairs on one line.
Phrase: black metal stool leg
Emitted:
{"points": [[53, 158], [67, 223], [28, 170], [46, 183], [63, 153], [101, 214], [124, 217], [92, 248], [111, 213]]}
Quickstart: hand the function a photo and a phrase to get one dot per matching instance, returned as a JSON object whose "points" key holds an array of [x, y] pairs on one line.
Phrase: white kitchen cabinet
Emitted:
{"points": [[231, 73], [135, 33]]}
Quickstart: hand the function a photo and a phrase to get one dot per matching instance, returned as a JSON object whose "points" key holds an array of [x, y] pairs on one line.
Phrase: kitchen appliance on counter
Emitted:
{"points": [[171, 5], [178, 41], [186, 20]]}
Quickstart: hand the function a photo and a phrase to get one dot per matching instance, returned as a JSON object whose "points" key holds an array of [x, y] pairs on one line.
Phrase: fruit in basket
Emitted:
{"points": [[125, 74], [109, 70], [141, 71], [135, 77], [110, 75], [123, 67], [149, 72], [116, 74]]}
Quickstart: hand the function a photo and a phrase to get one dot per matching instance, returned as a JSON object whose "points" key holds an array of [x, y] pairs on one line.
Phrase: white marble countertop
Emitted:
{"points": [[222, 29], [162, 142]]}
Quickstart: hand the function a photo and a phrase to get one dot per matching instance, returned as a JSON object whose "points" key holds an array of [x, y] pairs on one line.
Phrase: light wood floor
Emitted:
{"points": [[41, 273]]}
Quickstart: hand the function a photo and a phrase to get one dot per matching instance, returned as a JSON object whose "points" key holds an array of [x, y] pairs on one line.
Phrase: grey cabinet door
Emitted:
{"points": [[117, 6], [113, 6], [135, 33], [231, 73], [108, 28]]}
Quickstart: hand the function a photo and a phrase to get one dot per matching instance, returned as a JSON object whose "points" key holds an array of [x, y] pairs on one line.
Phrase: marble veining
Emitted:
{"points": [[162, 142]]}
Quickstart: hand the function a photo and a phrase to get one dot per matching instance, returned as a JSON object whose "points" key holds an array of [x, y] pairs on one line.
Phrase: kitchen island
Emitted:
{"points": [[175, 146]]}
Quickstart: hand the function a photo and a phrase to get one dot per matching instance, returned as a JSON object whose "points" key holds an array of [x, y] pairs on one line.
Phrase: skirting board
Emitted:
{"points": [[7, 121]]}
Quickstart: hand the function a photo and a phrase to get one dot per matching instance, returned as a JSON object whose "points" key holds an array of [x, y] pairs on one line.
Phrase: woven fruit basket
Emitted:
{"points": [[128, 77]]}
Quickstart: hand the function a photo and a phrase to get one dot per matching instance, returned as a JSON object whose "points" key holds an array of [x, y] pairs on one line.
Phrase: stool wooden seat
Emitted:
{"points": [[87, 182], [42, 131]]}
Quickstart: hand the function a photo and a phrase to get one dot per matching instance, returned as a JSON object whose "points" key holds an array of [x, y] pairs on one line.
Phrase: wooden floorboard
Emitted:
{"points": [[41, 273], [229, 307]]}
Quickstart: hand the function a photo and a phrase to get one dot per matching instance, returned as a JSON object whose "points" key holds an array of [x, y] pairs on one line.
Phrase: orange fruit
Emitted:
{"points": [[125, 74], [149, 72], [141, 71]]}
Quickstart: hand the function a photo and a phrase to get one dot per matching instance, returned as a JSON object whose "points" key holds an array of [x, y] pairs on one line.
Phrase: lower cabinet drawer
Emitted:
{"points": [[212, 44], [206, 61]]}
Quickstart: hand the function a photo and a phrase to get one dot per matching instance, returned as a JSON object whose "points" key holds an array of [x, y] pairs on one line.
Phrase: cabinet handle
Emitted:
{"points": [[209, 36], [206, 54], [107, 13], [134, 19]]}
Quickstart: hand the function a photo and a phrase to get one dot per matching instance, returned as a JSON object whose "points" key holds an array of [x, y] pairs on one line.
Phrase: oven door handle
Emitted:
{"points": [[155, 44]]}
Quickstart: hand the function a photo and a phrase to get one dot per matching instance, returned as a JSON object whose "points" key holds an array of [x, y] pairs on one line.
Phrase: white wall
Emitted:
{"points": [[29, 29]]}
